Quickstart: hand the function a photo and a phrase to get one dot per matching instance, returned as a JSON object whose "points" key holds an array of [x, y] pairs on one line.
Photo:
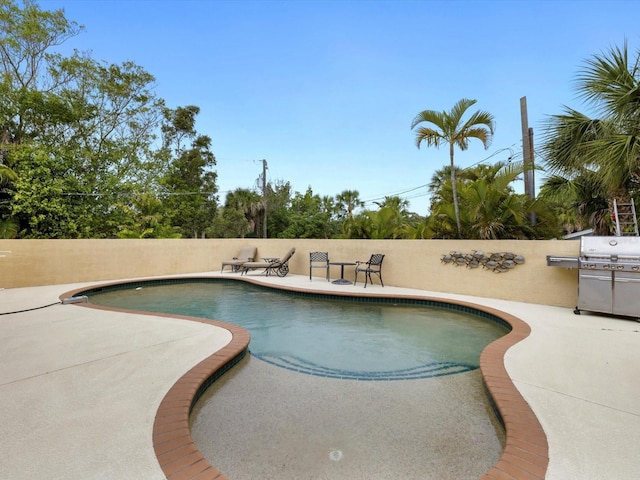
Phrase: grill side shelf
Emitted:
{"points": [[566, 262]]}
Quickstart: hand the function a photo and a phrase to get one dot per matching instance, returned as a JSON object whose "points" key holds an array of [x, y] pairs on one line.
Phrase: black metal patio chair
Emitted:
{"points": [[318, 260], [374, 265]]}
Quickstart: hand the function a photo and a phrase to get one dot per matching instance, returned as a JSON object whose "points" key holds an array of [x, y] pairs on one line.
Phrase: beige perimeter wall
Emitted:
{"points": [[408, 263]]}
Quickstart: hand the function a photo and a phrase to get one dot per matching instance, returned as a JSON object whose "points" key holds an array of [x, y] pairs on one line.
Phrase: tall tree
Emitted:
{"points": [[229, 223], [26, 36], [607, 144], [308, 218], [449, 127], [190, 182], [347, 201], [278, 197], [249, 203]]}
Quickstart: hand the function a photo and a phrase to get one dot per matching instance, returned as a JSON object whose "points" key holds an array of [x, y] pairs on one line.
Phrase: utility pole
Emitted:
{"points": [[527, 154], [264, 195]]}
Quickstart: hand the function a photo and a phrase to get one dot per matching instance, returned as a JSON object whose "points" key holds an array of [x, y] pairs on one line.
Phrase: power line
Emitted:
{"points": [[513, 154], [391, 194], [125, 194], [365, 201]]}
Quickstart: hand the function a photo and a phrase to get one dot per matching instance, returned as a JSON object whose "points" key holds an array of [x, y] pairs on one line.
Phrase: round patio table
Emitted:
{"points": [[342, 280]]}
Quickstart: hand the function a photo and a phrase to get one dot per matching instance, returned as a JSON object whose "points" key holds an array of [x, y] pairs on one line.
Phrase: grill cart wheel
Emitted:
{"points": [[576, 311]]}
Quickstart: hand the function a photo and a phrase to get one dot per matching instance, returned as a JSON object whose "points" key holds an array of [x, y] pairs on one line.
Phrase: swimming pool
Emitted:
{"points": [[327, 336], [440, 427]]}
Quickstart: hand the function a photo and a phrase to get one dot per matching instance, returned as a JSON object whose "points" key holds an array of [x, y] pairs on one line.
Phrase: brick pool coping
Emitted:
{"points": [[525, 455]]}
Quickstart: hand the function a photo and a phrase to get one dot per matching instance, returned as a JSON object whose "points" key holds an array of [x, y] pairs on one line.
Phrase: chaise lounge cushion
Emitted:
{"points": [[246, 254]]}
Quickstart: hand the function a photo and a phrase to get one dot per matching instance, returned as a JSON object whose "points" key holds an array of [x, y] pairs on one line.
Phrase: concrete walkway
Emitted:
{"points": [[79, 388]]}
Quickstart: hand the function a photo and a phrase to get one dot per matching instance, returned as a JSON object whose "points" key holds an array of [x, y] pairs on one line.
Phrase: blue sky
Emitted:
{"points": [[325, 90]]}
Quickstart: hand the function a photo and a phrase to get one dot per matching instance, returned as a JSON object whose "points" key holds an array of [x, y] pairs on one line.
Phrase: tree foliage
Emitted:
{"points": [[490, 207], [308, 217], [190, 181], [94, 151], [599, 154]]}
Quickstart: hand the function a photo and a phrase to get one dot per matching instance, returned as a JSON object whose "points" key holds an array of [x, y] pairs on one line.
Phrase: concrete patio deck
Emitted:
{"points": [[80, 388]]}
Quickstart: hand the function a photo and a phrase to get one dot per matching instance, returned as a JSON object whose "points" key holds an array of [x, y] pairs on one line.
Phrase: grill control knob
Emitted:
{"points": [[620, 267], [605, 266], [635, 268]]}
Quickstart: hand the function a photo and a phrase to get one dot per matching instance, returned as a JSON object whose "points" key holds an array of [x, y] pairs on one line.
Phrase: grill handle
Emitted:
{"points": [[600, 278], [627, 280]]}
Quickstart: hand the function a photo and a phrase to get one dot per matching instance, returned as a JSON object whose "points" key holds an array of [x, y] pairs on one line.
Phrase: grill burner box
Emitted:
{"points": [[608, 275]]}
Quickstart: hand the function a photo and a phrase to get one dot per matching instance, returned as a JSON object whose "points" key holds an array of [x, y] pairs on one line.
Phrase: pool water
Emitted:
{"points": [[330, 337]]}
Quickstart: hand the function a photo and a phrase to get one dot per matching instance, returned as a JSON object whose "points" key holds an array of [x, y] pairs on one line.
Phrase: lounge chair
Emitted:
{"points": [[271, 265], [247, 254], [318, 260], [374, 265]]}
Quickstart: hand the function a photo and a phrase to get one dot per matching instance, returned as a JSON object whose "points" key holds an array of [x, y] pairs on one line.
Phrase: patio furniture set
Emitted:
{"points": [[244, 262]]}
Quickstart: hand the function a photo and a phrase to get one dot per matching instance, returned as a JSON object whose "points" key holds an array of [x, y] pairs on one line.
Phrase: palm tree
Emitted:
{"points": [[249, 203], [489, 206], [328, 204], [609, 144], [495, 212], [385, 223], [440, 185], [395, 203], [448, 127], [347, 202], [578, 201]]}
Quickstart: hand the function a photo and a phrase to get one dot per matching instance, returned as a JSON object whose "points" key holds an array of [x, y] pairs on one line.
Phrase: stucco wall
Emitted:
{"points": [[408, 263]]}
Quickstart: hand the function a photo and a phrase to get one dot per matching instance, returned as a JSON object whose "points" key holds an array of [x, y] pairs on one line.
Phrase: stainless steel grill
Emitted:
{"points": [[609, 274]]}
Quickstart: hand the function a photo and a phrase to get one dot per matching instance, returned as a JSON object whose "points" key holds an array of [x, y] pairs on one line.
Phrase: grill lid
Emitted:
{"points": [[606, 247]]}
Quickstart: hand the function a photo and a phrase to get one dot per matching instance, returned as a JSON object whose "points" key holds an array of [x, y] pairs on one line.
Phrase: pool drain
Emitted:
{"points": [[335, 455]]}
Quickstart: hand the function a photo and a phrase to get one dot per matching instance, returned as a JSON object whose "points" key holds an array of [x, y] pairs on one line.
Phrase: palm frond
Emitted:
{"points": [[619, 156], [459, 109], [480, 118], [606, 81], [429, 136], [428, 116], [566, 139], [480, 133]]}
